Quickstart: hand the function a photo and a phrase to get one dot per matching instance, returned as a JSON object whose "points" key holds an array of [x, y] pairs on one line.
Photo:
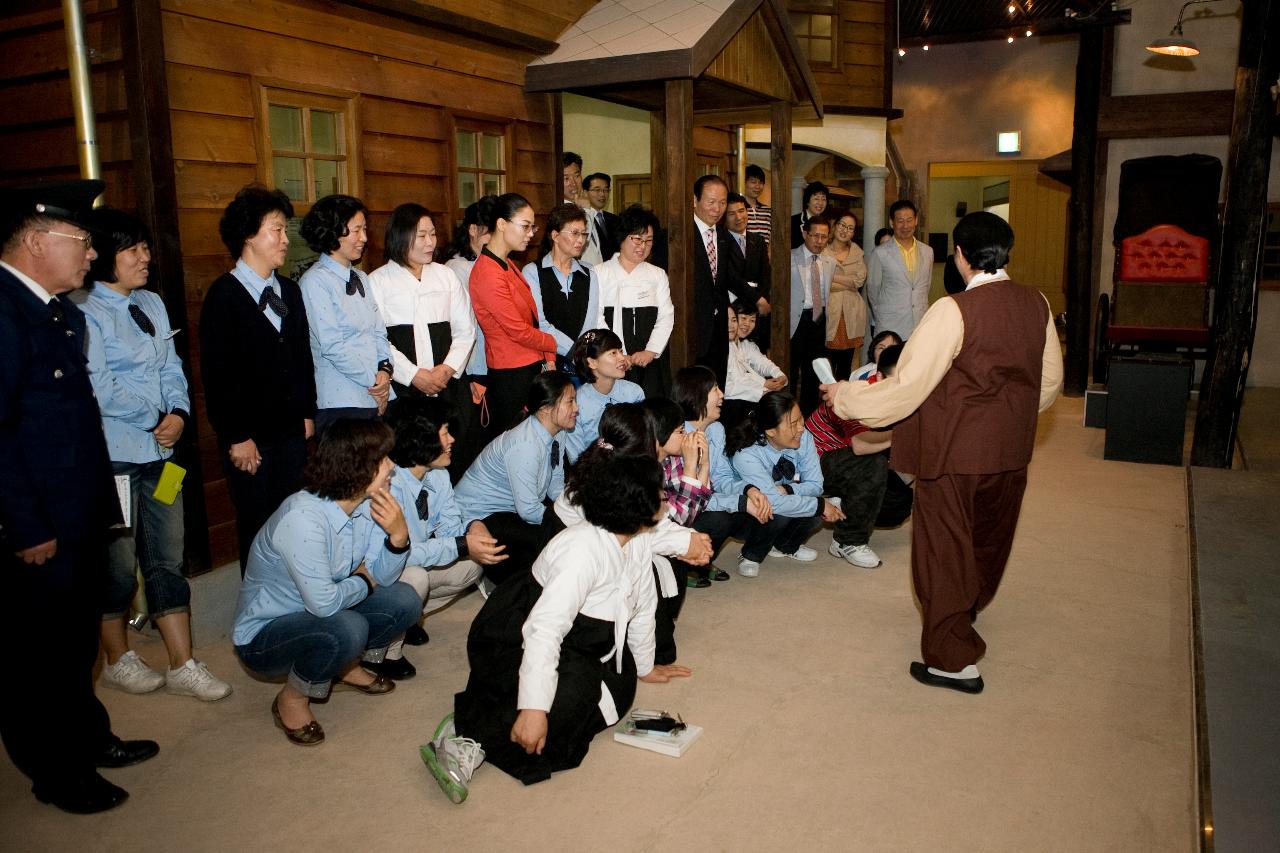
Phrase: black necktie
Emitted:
{"points": [[355, 285], [784, 470], [271, 299], [144, 322], [421, 503], [555, 453]]}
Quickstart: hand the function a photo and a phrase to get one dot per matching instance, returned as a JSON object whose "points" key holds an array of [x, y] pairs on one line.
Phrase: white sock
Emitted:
{"points": [[970, 671]]}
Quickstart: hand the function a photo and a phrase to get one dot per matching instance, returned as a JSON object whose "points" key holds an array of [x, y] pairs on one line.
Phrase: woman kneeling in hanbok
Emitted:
{"points": [[555, 653]]}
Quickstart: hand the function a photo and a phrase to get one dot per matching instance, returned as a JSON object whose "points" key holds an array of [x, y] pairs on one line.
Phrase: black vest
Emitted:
{"points": [[401, 337], [566, 313]]}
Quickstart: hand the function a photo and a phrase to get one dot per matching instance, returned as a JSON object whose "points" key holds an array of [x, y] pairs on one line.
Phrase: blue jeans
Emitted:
{"points": [[314, 650], [155, 541]]}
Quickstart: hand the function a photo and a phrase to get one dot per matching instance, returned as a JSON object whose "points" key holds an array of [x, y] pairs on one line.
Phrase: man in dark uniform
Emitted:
{"points": [[712, 246], [56, 505]]}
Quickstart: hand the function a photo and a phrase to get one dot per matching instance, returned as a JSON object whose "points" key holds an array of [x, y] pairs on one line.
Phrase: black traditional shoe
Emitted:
{"points": [[717, 574], [696, 581], [921, 673], [416, 635], [397, 670], [90, 795], [123, 753]]}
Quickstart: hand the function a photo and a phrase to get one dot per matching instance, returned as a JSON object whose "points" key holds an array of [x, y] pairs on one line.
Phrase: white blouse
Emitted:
{"points": [[436, 297], [584, 570], [646, 286]]}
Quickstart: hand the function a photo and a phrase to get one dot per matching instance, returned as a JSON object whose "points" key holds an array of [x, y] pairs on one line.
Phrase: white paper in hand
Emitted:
{"points": [[822, 369]]}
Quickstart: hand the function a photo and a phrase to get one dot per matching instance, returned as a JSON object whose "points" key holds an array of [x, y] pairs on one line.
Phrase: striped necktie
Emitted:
{"points": [[711, 251]]}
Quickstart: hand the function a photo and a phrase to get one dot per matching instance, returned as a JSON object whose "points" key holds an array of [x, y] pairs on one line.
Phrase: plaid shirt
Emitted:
{"points": [[686, 496]]}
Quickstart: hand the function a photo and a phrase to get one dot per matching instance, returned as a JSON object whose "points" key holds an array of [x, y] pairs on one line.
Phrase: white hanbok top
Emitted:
{"points": [[436, 297]]}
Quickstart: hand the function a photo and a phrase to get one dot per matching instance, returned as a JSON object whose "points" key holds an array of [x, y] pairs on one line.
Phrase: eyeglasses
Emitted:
{"points": [[527, 227], [844, 226], [575, 235], [640, 241], [86, 239]]}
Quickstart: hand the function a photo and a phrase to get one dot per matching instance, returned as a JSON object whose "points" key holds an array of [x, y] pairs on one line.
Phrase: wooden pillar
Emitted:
{"points": [[1084, 150], [154, 183], [1243, 223], [658, 164], [780, 232], [677, 191]]}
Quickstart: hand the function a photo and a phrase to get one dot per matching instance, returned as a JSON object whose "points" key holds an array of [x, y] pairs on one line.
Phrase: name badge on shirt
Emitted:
{"points": [[170, 335], [644, 294]]}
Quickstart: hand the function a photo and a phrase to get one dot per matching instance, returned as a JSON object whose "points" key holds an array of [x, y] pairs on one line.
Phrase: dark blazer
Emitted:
{"points": [[54, 465], [797, 231], [612, 239], [259, 383], [711, 301], [750, 275]]}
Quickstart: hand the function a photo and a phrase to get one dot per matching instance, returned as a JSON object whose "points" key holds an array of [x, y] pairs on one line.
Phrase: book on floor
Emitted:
{"points": [[656, 731]]}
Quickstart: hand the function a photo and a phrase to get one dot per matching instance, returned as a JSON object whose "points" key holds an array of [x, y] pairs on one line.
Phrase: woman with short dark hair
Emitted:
{"points": [[812, 203], [349, 343], [255, 359], [565, 290], [321, 592], [555, 654], [635, 303], [516, 350], [142, 394], [424, 307]]}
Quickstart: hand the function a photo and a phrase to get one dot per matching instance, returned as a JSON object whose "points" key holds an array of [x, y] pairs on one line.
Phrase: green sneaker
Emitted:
{"points": [[452, 759]]}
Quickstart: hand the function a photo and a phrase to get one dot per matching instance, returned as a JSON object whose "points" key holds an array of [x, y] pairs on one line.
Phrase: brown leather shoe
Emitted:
{"points": [[308, 735], [380, 685]]}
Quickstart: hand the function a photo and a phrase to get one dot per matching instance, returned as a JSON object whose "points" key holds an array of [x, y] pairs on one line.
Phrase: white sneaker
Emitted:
{"points": [[859, 555], [194, 679], [131, 674], [748, 568], [804, 554], [452, 760]]}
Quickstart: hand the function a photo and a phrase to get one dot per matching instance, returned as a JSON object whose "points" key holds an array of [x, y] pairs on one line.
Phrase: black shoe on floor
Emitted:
{"points": [[921, 673], [124, 753], [90, 795], [696, 581], [397, 670], [717, 574], [416, 635]]}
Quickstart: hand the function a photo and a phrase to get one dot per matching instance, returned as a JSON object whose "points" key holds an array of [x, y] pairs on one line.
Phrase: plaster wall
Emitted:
{"points": [[610, 138], [1214, 27]]}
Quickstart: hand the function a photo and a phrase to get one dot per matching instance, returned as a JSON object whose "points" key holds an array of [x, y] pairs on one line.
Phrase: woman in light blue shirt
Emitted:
{"points": [[142, 394], [600, 363], [772, 451], [511, 484], [348, 337], [321, 590]]}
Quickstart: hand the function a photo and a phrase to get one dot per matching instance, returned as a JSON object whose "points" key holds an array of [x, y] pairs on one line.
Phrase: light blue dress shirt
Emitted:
{"points": [[256, 284], [591, 406], [564, 343], [754, 465], [727, 489], [137, 378], [477, 366], [433, 541], [303, 559], [348, 337], [512, 474]]}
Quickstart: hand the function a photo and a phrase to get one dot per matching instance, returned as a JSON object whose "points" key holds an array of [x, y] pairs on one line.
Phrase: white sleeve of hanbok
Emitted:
{"points": [[564, 592]]}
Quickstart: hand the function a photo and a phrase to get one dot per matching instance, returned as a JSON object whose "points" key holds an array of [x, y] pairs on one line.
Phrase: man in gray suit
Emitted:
{"points": [[899, 272], [811, 274]]}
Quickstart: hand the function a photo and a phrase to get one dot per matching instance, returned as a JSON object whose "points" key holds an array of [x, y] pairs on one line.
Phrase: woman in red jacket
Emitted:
{"points": [[514, 347]]}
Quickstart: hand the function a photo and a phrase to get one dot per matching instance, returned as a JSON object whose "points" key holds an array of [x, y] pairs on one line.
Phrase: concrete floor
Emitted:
{"points": [[816, 737]]}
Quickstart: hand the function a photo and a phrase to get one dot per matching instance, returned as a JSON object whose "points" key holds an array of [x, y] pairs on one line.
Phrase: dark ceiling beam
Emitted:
{"points": [[460, 24], [1043, 27]]}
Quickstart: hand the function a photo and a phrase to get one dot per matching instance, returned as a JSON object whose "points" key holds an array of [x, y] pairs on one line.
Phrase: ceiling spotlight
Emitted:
{"points": [[1010, 39], [1175, 44], [1013, 10], [902, 51], [924, 47], [1028, 33]]}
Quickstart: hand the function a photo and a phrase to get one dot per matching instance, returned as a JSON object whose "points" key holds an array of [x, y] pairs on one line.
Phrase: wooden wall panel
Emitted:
{"points": [[215, 138], [403, 154], [43, 148], [210, 185], [43, 50], [385, 192], [47, 100], [379, 115], [204, 91]]}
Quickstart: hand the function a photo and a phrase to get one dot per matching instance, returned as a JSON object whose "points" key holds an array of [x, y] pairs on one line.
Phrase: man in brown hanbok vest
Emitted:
{"points": [[973, 376]]}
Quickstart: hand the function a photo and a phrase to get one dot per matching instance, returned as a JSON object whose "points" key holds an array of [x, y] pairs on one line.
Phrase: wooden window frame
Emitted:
{"points": [[345, 104], [480, 124], [832, 11]]}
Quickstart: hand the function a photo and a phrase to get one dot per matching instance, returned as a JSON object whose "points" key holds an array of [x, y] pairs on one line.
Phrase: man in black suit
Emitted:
{"points": [[57, 502], [605, 227], [751, 274], [712, 270]]}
